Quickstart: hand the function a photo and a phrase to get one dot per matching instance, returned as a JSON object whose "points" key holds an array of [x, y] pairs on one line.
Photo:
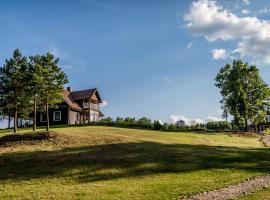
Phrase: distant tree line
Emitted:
{"points": [[245, 95], [145, 123], [28, 84]]}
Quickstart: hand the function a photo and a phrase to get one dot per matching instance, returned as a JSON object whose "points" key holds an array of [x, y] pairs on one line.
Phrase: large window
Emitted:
{"points": [[57, 116]]}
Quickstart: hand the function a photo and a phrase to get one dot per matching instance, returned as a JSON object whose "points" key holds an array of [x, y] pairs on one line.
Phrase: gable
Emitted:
{"points": [[86, 94]]}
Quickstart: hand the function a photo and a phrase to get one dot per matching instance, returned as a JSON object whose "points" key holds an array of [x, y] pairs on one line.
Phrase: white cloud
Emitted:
{"points": [[176, 118], [160, 121], [218, 54], [212, 119], [189, 121], [104, 103], [189, 45], [246, 2], [197, 121], [245, 11], [208, 19]]}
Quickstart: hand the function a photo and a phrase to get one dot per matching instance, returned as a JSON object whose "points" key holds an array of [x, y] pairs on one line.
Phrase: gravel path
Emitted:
{"points": [[234, 191]]}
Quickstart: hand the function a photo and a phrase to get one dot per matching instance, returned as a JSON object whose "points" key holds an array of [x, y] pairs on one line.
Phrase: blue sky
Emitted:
{"points": [[148, 58]]}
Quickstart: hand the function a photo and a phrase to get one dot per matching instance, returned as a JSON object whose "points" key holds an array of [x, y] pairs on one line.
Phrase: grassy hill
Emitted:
{"points": [[117, 163]]}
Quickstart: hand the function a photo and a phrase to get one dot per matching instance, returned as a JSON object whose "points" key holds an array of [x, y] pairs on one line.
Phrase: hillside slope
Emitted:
{"points": [[116, 163]]}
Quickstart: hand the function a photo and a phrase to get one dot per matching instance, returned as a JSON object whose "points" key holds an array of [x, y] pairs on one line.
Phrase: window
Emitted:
{"points": [[77, 116], [57, 116], [267, 118], [43, 117]]}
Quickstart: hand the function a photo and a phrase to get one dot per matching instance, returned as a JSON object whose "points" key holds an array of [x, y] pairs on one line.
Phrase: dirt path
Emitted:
{"points": [[234, 191]]}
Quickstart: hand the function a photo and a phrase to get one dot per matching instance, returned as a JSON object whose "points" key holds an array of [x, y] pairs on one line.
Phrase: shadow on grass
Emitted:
{"points": [[106, 162], [32, 136]]}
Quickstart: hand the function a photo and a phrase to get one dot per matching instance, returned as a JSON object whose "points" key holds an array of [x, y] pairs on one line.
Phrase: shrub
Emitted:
{"points": [[220, 125], [157, 125]]}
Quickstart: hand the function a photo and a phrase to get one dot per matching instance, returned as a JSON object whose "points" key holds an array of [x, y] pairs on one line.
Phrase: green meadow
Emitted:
{"points": [[116, 163]]}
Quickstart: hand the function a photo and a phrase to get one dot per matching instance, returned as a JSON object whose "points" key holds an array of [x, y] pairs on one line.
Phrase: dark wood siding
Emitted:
{"points": [[64, 117]]}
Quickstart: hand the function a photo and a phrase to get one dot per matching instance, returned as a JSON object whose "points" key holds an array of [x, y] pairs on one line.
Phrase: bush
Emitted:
{"points": [[219, 126]]}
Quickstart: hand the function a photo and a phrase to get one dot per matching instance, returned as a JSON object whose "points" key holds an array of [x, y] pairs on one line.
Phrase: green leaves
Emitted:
{"points": [[244, 93], [24, 81]]}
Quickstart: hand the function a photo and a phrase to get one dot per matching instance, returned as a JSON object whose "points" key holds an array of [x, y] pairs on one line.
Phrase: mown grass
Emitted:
{"points": [[263, 194], [117, 163]]}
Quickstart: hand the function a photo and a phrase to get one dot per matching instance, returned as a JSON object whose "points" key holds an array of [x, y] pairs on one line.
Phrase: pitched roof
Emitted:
{"points": [[85, 94], [70, 101]]}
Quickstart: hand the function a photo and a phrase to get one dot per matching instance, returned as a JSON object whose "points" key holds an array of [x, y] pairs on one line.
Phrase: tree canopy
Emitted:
{"points": [[24, 81], [245, 95]]}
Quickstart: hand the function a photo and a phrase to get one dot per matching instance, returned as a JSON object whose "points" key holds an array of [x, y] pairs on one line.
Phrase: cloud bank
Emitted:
{"points": [[208, 19], [189, 121]]}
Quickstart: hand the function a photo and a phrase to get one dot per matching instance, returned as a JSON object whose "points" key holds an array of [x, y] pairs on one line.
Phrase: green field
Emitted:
{"points": [[117, 163], [259, 195]]}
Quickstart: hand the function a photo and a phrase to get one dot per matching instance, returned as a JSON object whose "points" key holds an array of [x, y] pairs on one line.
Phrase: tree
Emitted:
{"points": [[144, 122], [245, 94], [13, 87], [219, 125], [130, 120], [36, 83], [157, 125], [53, 81], [224, 107], [119, 121], [107, 120], [165, 126]]}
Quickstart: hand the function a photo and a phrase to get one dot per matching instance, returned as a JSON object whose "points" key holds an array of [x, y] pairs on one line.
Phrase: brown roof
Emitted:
{"points": [[85, 94], [69, 100]]}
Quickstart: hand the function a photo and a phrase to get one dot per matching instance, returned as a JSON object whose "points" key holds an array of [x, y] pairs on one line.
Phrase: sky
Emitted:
{"points": [[151, 58]]}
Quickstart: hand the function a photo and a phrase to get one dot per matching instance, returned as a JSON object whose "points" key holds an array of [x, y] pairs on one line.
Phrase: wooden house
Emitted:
{"points": [[78, 107]]}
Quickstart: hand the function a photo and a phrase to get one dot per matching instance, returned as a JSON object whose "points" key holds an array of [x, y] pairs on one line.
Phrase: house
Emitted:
{"points": [[265, 126], [78, 107]]}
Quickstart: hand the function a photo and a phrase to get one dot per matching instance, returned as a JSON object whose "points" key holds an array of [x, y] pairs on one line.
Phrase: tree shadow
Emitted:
{"points": [[112, 161], [27, 137]]}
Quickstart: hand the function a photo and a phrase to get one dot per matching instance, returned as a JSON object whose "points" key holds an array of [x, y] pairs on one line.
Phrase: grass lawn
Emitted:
{"points": [[117, 163], [259, 195]]}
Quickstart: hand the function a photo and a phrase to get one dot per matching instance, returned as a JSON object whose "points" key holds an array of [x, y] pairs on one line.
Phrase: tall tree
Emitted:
{"points": [[36, 83], [244, 93], [13, 84], [53, 81]]}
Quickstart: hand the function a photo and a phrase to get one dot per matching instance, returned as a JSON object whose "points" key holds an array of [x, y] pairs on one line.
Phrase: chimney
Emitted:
{"points": [[69, 89]]}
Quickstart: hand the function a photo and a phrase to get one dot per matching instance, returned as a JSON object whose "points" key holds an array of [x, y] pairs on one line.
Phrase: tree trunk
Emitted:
{"points": [[246, 125], [15, 121], [35, 115], [47, 116]]}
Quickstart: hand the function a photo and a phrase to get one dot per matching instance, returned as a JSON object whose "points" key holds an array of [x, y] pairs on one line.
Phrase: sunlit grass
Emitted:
{"points": [[117, 163], [263, 194]]}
